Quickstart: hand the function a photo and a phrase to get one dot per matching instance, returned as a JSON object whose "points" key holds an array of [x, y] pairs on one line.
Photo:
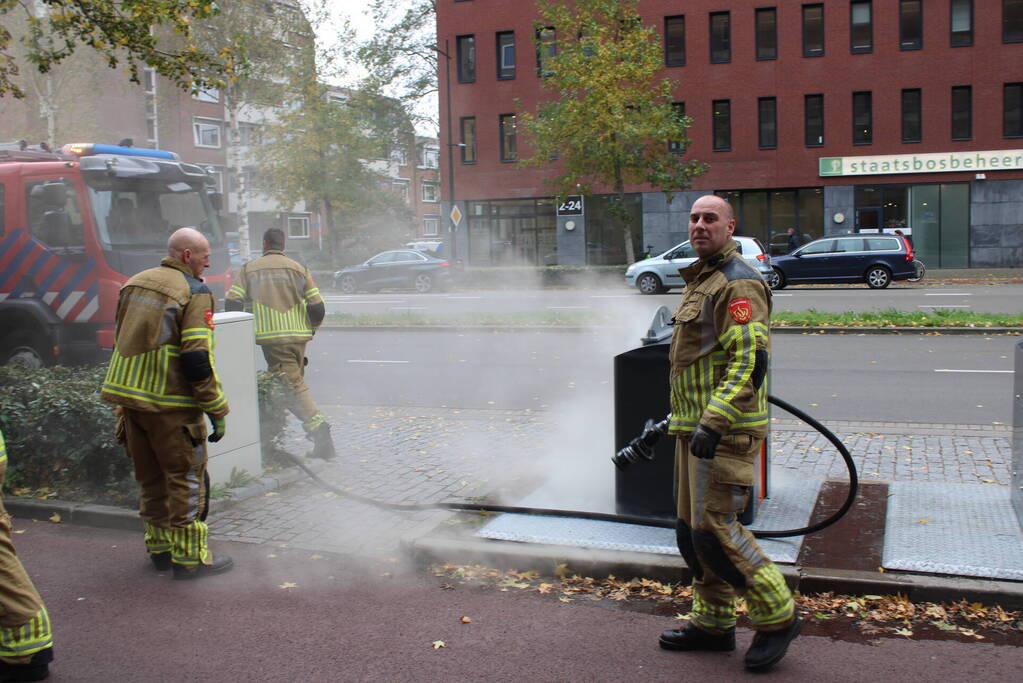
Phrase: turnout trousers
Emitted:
{"points": [[169, 452], [723, 555], [24, 624], [289, 360]]}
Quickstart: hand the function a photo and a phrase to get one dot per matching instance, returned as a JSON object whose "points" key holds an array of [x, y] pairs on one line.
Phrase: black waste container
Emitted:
{"points": [[641, 391]]}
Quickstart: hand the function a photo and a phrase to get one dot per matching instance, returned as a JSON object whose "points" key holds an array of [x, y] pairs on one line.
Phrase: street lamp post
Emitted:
{"points": [[451, 146]]}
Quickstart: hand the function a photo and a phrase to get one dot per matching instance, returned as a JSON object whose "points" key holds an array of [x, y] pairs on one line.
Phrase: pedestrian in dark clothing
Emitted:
{"points": [[794, 241]]}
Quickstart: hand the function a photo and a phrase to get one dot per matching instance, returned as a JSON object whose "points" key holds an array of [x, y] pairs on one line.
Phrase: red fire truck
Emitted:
{"points": [[74, 226]]}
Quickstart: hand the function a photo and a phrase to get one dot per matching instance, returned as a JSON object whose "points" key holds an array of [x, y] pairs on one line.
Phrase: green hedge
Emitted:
{"points": [[60, 434]]}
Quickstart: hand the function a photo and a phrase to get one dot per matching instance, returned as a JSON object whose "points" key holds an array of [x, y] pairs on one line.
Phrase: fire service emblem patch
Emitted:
{"points": [[741, 310]]}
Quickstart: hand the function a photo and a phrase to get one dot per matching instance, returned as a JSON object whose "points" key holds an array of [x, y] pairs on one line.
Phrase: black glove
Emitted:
{"points": [[704, 442]]}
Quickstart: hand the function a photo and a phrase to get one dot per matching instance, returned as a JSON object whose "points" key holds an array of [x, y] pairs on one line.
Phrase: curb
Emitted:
{"points": [[507, 555], [576, 329]]}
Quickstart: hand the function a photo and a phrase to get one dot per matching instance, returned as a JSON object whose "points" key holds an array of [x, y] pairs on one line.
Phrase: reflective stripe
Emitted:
{"points": [[189, 544], [34, 636], [155, 538], [197, 333], [768, 598], [3, 448], [712, 617], [274, 324], [312, 293], [237, 290]]}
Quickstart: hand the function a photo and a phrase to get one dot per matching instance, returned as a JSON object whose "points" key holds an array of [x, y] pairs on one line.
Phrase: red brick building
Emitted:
{"points": [[865, 115]]}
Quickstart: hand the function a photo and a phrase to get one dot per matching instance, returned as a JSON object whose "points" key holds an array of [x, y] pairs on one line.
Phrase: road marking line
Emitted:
{"points": [[407, 308], [948, 294], [990, 371], [563, 308], [612, 296], [379, 361], [387, 301], [780, 294], [943, 306], [463, 297]]}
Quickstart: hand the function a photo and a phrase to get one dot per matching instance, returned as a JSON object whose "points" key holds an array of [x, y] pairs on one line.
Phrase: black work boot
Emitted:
{"points": [[161, 561], [323, 443], [770, 646], [36, 669], [691, 637], [221, 563]]}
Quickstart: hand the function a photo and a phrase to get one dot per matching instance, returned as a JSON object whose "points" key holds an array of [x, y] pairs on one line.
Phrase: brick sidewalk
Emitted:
{"points": [[428, 455]]}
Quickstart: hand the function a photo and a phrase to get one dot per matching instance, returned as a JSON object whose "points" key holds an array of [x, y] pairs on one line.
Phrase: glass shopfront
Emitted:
{"points": [[768, 214], [512, 232]]}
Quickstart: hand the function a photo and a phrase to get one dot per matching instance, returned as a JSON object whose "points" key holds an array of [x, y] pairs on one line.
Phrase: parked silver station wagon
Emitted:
{"points": [[658, 274]]}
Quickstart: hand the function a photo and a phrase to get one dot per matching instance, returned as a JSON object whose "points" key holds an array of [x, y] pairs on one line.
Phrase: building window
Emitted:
{"points": [[429, 157], [720, 37], [813, 30], [466, 58], [722, 118], [912, 125], [506, 55], [431, 226], [546, 48], [1012, 21], [249, 133], [674, 41], [400, 188], [298, 226], [962, 112], [767, 122], [207, 95], [149, 86], [679, 110], [813, 117], [911, 25], [429, 192], [468, 139], [1012, 115], [206, 132], [861, 32], [961, 22], [767, 33], [506, 123], [863, 131]]}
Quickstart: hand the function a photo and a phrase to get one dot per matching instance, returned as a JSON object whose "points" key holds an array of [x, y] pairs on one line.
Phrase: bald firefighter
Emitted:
{"points": [[163, 381], [288, 310], [719, 356], [26, 641]]}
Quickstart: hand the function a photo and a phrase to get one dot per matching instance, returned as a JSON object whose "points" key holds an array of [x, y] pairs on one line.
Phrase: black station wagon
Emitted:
{"points": [[872, 258]]}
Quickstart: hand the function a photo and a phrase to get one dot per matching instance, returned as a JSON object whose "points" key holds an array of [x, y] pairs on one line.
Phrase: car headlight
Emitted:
{"points": [[630, 270]]}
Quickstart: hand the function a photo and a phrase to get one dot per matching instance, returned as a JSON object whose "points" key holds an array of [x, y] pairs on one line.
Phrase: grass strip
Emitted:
{"points": [[809, 318]]}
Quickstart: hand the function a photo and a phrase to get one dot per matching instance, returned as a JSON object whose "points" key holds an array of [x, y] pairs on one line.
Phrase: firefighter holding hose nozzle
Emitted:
{"points": [[719, 355]]}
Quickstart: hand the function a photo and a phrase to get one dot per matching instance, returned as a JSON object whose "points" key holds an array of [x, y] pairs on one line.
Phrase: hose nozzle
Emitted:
{"points": [[642, 446]]}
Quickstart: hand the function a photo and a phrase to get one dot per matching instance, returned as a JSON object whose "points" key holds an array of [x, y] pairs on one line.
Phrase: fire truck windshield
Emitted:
{"points": [[136, 213]]}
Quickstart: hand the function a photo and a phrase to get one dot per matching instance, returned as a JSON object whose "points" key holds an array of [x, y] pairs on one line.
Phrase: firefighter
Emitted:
{"points": [[26, 640], [162, 380], [288, 310], [719, 355]]}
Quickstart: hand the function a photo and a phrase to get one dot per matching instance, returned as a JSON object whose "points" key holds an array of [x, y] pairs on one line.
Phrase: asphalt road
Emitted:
{"points": [[1003, 298], [888, 378], [287, 615]]}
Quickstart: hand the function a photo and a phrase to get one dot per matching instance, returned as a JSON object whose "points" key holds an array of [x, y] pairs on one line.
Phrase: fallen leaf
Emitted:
{"points": [[923, 521], [902, 632], [19, 531], [438, 644], [55, 518], [287, 585], [465, 620], [564, 599]]}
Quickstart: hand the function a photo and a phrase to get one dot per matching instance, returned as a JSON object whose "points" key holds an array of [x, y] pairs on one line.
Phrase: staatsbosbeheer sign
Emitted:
{"points": [[941, 162]]}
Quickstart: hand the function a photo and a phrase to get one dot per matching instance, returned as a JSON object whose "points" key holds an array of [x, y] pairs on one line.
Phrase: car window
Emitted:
{"points": [[882, 244], [408, 256], [683, 250], [818, 247], [386, 257], [849, 244], [759, 245]]}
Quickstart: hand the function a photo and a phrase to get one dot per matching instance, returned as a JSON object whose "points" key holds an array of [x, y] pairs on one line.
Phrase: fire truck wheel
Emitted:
{"points": [[26, 349]]}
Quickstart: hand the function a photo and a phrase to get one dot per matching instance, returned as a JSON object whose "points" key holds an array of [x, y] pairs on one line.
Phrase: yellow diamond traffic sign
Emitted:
{"points": [[456, 215]]}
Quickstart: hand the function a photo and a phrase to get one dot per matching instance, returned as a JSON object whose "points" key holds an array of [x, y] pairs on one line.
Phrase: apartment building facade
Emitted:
{"points": [[827, 117]]}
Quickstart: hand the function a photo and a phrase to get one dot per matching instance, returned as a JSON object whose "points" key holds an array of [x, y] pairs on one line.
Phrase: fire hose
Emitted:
{"points": [[641, 447]]}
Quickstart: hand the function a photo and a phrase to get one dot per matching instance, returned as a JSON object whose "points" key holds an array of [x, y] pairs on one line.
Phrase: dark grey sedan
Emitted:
{"points": [[398, 269]]}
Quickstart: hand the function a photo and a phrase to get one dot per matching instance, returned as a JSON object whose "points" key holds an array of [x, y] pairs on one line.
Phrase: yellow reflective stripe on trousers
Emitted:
{"points": [[155, 538], [3, 448], [34, 636], [712, 617], [189, 544], [768, 598], [273, 324]]}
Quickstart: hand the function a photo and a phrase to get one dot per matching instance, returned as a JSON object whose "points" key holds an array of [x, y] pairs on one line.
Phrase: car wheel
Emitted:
{"points": [[346, 284], [878, 277], [772, 279], [778, 281], [423, 283], [25, 349], [648, 283]]}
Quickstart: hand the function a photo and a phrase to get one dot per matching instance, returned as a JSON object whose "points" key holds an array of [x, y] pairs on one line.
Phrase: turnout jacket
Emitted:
{"points": [[281, 291], [719, 348], [162, 356]]}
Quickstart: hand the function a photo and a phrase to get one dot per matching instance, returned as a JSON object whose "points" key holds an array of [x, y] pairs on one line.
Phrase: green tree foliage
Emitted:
{"points": [[610, 118], [329, 148], [120, 31]]}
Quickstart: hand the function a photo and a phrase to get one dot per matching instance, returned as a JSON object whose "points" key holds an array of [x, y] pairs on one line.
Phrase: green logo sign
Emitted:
{"points": [[830, 166]]}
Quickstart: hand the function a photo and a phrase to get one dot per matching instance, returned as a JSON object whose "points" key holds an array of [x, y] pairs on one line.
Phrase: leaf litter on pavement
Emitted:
{"points": [[869, 615]]}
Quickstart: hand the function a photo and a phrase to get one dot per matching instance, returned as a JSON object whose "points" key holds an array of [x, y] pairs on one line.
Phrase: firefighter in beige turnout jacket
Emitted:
{"points": [[719, 355], [26, 639], [288, 310], [162, 379]]}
